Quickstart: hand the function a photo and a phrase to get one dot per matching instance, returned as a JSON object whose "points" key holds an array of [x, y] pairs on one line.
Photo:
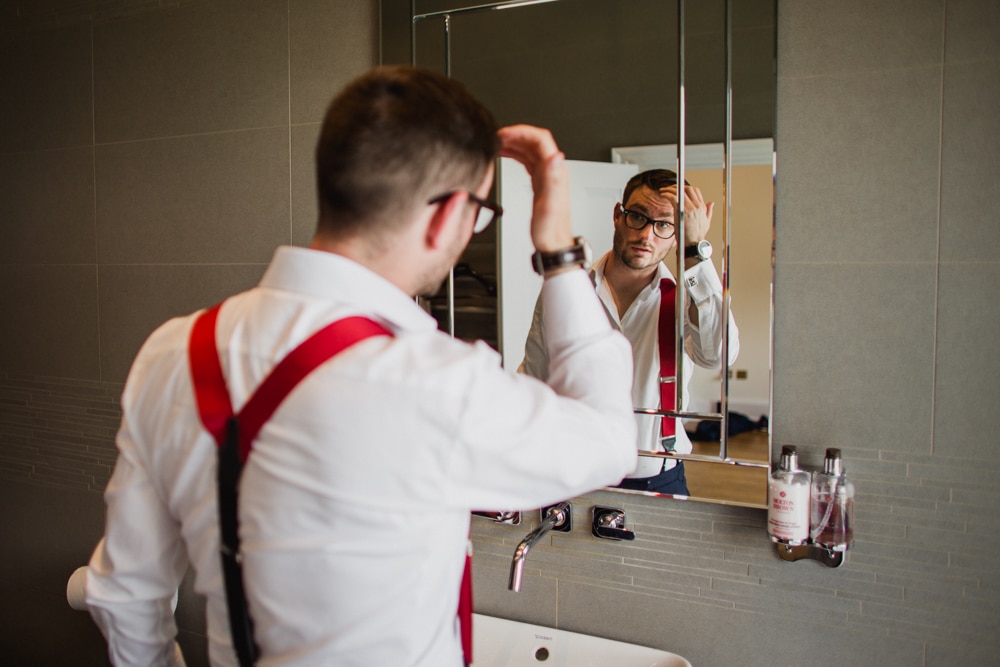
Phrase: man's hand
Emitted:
{"points": [[697, 212], [535, 148]]}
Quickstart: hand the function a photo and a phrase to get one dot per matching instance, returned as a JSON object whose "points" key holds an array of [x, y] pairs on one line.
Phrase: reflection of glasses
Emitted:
{"points": [[635, 220], [486, 212]]}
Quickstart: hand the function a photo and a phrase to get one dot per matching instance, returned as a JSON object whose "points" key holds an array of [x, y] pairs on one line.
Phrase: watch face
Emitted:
{"points": [[704, 249]]}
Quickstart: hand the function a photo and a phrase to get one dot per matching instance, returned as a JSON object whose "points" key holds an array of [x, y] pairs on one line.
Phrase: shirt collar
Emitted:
{"points": [[597, 272], [332, 277]]}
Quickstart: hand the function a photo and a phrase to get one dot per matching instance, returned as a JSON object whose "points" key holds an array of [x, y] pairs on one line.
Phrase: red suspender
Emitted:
{"points": [[210, 385], [210, 390], [236, 433], [667, 335]]}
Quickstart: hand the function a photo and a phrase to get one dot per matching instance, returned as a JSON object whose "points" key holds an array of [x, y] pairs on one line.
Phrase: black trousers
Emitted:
{"points": [[669, 481]]}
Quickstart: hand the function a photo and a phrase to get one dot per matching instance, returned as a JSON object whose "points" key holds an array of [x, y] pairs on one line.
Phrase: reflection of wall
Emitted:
{"points": [[750, 276], [883, 347], [602, 78]]}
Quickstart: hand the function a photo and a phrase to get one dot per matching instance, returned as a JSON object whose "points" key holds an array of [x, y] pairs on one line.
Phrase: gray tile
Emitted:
{"points": [[45, 89], [534, 603], [962, 652], [330, 44], [202, 199], [972, 29], [854, 348], [968, 369], [709, 635], [817, 38], [48, 207], [49, 325], [970, 170], [871, 194], [137, 299], [197, 67], [305, 209], [48, 533]]}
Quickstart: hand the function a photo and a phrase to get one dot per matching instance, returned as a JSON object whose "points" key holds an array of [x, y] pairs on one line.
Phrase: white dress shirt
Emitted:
{"points": [[640, 324], [355, 503]]}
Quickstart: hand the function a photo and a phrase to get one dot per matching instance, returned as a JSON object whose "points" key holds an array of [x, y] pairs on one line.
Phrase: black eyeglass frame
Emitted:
{"points": [[648, 221], [495, 209]]}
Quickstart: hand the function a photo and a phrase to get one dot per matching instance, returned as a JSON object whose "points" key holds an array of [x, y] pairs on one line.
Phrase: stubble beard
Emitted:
{"points": [[637, 262]]}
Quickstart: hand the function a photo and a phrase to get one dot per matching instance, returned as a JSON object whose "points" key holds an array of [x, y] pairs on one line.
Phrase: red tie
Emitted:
{"points": [[667, 335]]}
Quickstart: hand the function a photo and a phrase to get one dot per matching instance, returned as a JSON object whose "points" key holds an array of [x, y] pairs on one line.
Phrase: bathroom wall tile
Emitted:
{"points": [[48, 533], [971, 31], [857, 36], [202, 199], [136, 299], [866, 333], [305, 210], [330, 44], [197, 67], [970, 170], [871, 196], [536, 602], [48, 207], [45, 89], [967, 378], [959, 652], [706, 635], [49, 326]]}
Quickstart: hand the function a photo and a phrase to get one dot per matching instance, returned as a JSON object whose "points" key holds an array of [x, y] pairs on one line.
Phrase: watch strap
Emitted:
{"points": [[577, 254]]}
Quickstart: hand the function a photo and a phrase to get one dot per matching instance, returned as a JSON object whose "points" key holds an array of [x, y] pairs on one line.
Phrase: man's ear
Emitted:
{"points": [[447, 214]]}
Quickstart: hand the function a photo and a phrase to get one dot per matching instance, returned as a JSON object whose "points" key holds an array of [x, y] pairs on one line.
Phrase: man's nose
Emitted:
{"points": [[647, 232]]}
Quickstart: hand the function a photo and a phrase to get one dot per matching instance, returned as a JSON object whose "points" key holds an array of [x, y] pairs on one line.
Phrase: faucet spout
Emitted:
{"points": [[557, 515]]}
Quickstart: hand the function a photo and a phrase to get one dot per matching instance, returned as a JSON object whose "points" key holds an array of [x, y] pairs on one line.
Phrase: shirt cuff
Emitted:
{"points": [[571, 308], [702, 281]]}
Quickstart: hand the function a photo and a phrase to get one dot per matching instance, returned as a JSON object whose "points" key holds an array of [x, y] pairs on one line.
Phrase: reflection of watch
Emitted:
{"points": [[577, 254], [702, 250]]}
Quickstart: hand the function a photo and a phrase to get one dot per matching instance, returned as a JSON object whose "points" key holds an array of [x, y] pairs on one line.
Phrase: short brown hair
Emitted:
{"points": [[392, 137], [654, 179]]}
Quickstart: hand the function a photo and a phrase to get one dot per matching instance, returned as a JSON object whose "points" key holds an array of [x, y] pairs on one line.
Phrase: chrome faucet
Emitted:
{"points": [[556, 516]]}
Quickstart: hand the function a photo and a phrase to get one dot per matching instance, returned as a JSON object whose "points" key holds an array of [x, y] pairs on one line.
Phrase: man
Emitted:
{"points": [[354, 504], [628, 279]]}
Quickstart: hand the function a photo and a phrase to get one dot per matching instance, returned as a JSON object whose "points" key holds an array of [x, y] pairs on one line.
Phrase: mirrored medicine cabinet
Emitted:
{"points": [[625, 86]]}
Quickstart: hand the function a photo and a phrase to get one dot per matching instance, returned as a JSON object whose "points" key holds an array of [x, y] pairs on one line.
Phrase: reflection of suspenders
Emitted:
{"points": [[235, 434], [667, 337]]}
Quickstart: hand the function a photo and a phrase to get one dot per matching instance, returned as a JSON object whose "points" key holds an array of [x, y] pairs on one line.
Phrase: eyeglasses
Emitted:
{"points": [[664, 229], [486, 212]]}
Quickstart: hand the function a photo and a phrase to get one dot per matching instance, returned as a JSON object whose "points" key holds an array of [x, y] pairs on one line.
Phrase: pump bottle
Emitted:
{"points": [[788, 500], [832, 505]]}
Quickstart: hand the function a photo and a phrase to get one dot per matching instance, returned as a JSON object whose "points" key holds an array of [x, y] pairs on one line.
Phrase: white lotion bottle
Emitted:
{"points": [[832, 505], [788, 501]]}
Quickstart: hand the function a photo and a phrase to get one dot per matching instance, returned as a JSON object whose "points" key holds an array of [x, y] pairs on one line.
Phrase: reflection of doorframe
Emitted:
{"points": [[746, 152], [595, 187]]}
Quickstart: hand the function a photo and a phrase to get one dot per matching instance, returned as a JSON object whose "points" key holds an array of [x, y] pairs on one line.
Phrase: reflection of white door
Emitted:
{"points": [[595, 188]]}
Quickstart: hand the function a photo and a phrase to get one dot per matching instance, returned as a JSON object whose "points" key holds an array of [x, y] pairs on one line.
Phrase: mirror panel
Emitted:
{"points": [[602, 75]]}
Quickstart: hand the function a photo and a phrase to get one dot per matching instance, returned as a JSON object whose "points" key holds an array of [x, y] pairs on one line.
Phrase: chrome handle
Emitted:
{"points": [[609, 524]]}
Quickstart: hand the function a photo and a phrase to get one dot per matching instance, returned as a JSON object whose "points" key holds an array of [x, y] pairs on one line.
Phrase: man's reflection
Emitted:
{"points": [[632, 280]]}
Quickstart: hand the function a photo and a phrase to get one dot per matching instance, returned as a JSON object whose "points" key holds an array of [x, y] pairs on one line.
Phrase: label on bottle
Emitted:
{"points": [[788, 511]]}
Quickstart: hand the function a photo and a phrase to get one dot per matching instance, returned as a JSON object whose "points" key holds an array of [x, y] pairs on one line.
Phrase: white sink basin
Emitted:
{"points": [[498, 642]]}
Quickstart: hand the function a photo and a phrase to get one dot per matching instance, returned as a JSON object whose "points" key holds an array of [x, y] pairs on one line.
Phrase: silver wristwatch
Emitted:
{"points": [[702, 250]]}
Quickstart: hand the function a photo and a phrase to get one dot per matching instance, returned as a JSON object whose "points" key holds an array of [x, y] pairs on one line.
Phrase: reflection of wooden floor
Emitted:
{"points": [[731, 483]]}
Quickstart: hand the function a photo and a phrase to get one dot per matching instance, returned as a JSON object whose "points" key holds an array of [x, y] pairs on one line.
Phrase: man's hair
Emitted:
{"points": [[393, 137], [654, 179]]}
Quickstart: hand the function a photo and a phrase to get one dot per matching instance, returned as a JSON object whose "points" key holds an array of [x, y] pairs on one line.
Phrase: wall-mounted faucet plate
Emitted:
{"points": [[564, 526]]}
